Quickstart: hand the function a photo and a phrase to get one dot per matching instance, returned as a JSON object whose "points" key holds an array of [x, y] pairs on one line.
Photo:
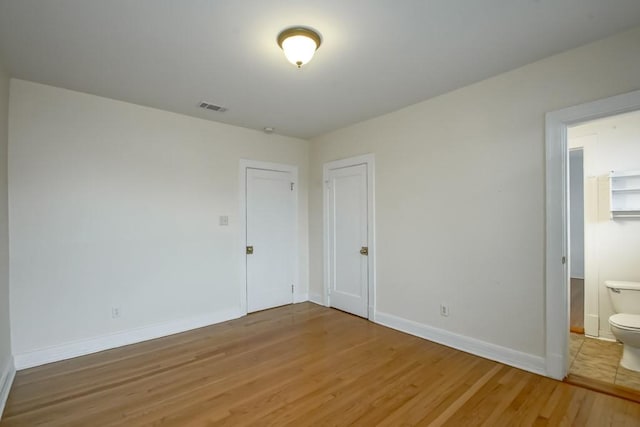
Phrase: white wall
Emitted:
{"points": [[460, 193], [117, 205], [611, 144], [576, 203], [6, 362]]}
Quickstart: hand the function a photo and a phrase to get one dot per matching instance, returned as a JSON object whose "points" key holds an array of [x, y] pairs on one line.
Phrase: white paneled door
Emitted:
{"points": [[270, 205], [347, 223]]}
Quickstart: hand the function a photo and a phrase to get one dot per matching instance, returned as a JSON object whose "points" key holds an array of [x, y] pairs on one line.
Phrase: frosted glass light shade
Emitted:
{"points": [[299, 45], [299, 49]]}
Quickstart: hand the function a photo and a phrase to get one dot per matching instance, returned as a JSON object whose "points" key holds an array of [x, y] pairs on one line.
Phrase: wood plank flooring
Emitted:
{"points": [[299, 365]]}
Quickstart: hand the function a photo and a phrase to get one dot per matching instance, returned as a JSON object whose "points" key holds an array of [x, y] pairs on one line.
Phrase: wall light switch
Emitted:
{"points": [[224, 220]]}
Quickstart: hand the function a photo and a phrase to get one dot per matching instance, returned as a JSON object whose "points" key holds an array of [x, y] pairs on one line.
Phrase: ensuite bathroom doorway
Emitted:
{"points": [[604, 245]]}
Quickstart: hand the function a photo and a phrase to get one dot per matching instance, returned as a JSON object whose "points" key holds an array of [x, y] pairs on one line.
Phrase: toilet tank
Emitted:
{"points": [[625, 296]]}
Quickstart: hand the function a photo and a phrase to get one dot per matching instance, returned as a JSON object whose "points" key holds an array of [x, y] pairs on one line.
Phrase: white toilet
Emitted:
{"points": [[625, 324]]}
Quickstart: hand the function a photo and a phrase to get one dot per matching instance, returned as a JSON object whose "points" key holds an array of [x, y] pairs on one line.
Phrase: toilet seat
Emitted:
{"points": [[628, 322]]}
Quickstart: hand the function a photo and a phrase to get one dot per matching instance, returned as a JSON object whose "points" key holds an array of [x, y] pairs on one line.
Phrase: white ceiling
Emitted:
{"points": [[377, 55]]}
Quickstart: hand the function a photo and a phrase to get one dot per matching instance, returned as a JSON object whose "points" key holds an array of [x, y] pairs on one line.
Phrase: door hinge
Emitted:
{"points": [[291, 288], [564, 259], [292, 186]]}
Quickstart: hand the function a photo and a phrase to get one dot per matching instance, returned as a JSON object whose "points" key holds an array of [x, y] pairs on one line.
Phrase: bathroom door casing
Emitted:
{"points": [[349, 253]]}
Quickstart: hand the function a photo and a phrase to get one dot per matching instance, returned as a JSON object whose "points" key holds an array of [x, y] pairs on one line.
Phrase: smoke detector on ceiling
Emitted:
{"points": [[212, 107]]}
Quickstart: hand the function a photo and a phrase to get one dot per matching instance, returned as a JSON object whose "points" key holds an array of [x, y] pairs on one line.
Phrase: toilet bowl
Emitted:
{"points": [[626, 329], [625, 324]]}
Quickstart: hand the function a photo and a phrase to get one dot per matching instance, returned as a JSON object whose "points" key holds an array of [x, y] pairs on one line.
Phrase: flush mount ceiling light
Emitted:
{"points": [[299, 44]]}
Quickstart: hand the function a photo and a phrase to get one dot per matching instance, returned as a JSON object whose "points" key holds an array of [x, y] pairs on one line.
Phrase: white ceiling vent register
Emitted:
{"points": [[213, 107]]}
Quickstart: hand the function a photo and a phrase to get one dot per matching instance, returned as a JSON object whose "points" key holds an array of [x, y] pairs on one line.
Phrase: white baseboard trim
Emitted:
{"points": [[316, 298], [119, 339], [591, 324], [606, 335], [6, 381], [525, 361], [300, 298]]}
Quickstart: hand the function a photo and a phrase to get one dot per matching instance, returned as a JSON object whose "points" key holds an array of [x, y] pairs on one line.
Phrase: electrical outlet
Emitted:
{"points": [[444, 310], [115, 312], [224, 220]]}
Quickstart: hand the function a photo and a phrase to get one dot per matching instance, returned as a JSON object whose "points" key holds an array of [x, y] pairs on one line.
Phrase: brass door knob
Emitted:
{"points": [[249, 250], [364, 250]]}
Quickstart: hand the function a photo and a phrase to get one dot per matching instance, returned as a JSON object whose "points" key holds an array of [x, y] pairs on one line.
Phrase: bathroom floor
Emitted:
{"points": [[600, 360]]}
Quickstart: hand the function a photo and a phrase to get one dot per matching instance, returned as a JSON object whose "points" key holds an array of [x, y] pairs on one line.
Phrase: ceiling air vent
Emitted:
{"points": [[212, 107]]}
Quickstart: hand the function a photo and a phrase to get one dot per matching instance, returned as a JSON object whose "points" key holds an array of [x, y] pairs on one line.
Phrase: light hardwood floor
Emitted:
{"points": [[299, 365]]}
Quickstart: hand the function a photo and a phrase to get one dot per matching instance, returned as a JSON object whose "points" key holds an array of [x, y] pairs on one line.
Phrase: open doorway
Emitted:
{"points": [[604, 238], [557, 265]]}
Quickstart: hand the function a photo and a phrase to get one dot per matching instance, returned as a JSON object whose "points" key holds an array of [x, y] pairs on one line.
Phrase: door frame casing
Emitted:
{"points": [[369, 160], [242, 223], [557, 231]]}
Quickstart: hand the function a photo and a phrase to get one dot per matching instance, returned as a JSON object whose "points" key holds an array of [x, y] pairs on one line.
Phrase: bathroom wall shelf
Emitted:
{"points": [[625, 194]]}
